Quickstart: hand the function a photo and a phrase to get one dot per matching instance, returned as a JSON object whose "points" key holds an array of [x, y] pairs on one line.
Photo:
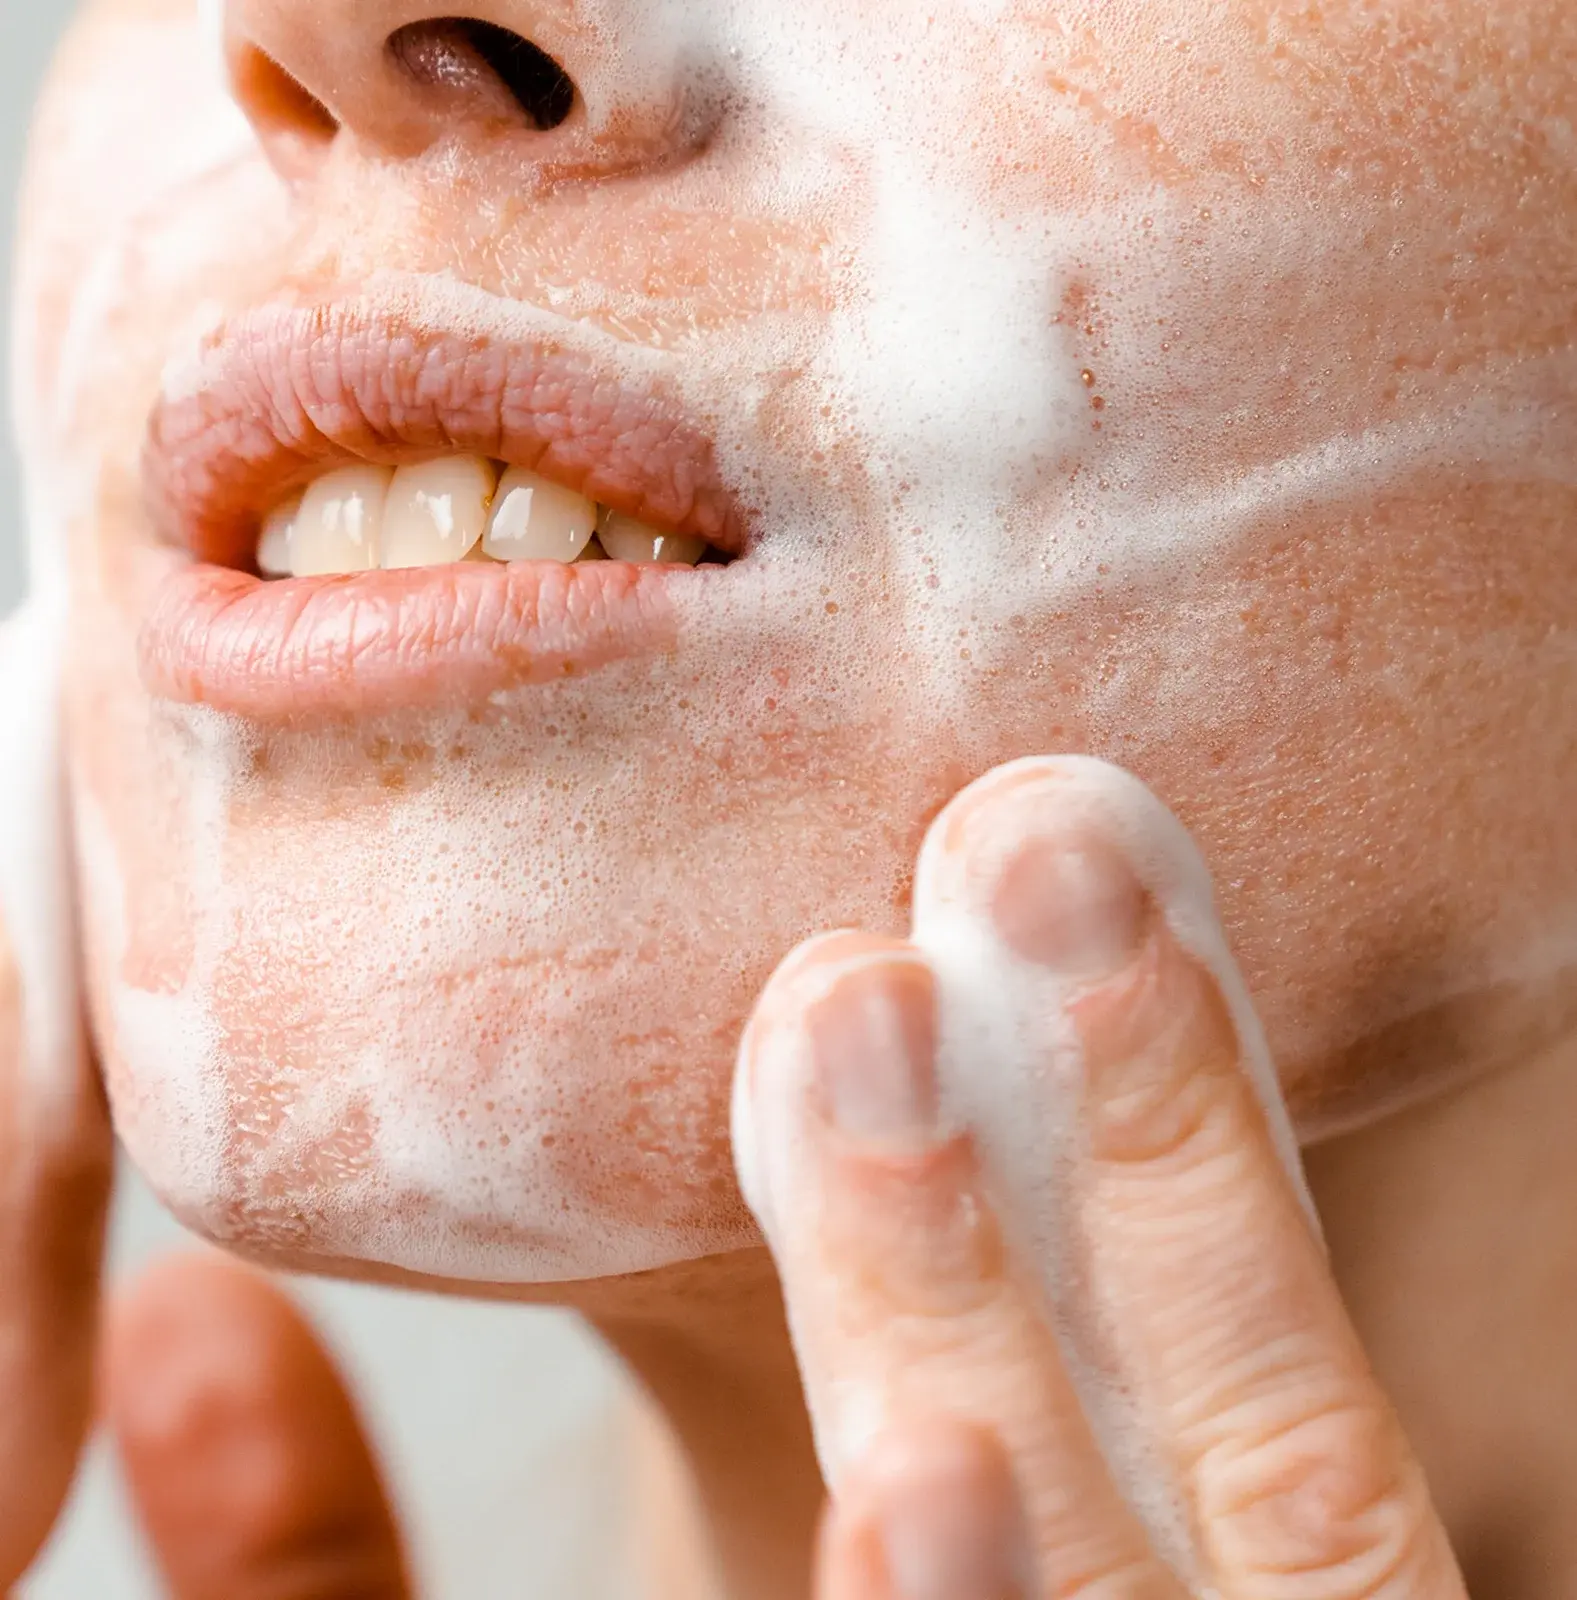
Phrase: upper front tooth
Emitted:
{"points": [[275, 539], [626, 539], [341, 522], [534, 520], [436, 511], [451, 509]]}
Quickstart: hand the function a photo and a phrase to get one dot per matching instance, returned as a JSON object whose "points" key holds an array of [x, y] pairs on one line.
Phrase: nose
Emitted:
{"points": [[578, 87]]}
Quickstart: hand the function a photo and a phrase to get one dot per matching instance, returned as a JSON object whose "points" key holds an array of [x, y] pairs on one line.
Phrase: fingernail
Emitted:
{"points": [[873, 1039], [1073, 906], [952, 1528]]}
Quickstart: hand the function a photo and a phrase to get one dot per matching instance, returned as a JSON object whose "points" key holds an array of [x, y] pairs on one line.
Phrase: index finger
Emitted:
{"points": [[56, 1154]]}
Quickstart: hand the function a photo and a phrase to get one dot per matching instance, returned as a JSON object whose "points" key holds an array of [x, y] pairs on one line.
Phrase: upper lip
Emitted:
{"points": [[284, 394]]}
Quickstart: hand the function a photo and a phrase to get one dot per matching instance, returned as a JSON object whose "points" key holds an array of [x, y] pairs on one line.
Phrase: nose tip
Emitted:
{"points": [[309, 73]]}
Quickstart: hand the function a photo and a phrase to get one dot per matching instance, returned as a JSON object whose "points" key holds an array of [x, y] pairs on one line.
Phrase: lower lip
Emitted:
{"points": [[366, 643]]}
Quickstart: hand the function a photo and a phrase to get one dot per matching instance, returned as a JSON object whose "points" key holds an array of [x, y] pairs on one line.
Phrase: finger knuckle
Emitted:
{"points": [[916, 1239], [1115, 1577], [1321, 1503], [1167, 1092], [1165, 1122], [345, 1560]]}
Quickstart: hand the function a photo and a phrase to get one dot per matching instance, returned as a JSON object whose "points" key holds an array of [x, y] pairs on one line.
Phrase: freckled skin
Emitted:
{"points": [[533, 929]]}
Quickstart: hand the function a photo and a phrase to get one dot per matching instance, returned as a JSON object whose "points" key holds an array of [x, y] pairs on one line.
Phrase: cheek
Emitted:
{"points": [[1360, 714]]}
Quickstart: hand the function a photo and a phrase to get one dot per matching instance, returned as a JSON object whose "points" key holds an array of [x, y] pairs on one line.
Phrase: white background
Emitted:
{"points": [[496, 1423]]}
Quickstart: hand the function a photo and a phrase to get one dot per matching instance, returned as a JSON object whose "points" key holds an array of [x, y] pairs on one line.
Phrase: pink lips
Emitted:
{"points": [[385, 641], [284, 396]]}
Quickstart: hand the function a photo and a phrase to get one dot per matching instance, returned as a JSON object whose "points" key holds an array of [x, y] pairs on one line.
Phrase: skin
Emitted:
{"points": [[1381, 752]]}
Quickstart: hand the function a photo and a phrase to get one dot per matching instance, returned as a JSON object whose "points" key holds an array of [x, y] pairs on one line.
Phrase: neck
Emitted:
{"points": [[718, 1362], [1450, 1228]]}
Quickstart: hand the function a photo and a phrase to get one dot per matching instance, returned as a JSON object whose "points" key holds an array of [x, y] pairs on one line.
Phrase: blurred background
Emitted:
{"points": [[496, 1423]]}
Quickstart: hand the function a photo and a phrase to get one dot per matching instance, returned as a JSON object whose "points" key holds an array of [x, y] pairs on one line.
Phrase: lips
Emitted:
{"points": [[282, 396]]}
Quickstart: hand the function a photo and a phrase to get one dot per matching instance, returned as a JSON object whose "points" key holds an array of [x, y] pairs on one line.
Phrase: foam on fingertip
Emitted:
{"points": [[780, 1178], [1008, 1050]]}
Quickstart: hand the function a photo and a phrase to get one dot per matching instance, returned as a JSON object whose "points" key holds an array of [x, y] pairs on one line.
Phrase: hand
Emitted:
{"points": [[240, 1446], [241, 1449], [1063, 1314]]}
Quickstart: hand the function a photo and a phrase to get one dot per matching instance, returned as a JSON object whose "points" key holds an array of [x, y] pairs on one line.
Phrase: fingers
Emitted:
{"points": [[1139, 1133], [242, 1450], [1069, 1001], [901, 1296], [56, 1154], [931, 1513]]}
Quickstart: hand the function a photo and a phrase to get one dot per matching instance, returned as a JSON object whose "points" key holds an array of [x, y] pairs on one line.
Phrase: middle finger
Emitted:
{"points": [[904, 1304]]}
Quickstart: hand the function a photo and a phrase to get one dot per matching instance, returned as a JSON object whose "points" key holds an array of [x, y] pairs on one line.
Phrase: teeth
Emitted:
{"points": [[340, 522], [625, 539], [455, 508], [436, 511], [274, 542], [534, 520]]}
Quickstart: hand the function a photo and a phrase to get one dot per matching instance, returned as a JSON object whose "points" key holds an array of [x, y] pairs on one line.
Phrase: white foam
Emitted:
{"points": [[211, 27]]}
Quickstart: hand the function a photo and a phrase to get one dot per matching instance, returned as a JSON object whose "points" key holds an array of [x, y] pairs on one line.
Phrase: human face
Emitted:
{"points": [[1186, 383]]}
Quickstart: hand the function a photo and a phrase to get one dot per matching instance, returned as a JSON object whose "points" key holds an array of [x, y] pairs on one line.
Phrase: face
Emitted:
{"points": [[1185, 383]]}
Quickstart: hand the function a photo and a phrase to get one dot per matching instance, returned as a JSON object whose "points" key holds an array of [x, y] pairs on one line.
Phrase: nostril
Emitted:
{"points": [[292, 122], [448, 50], [539, 84]]}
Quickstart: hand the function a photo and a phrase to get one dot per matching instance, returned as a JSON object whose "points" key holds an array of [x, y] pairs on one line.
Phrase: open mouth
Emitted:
{"points": [[375, 514], [454, 508]]}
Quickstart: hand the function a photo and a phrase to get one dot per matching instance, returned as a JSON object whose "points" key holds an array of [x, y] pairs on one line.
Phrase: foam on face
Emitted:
{"points": [[211, 27], [934, 449]]}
